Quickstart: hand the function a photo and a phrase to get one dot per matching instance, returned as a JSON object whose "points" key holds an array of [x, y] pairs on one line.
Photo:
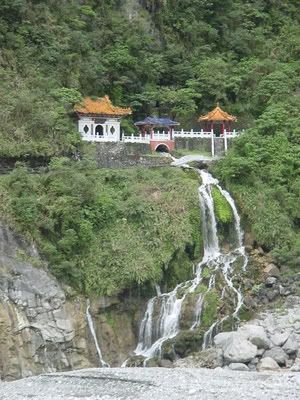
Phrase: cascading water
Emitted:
{"points": [[92, 329], [162, 317]]}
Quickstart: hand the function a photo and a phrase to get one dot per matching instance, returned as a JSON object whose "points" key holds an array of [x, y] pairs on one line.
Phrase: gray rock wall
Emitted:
{"points": [[124, 155], [202, 144], [43, 331]]}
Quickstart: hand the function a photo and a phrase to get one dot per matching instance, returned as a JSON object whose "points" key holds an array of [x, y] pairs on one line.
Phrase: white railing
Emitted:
{"points": [[161, 136], [202, 134], [97, 138], [156, 136], [136, 139], [191, 134], [230, 134]]}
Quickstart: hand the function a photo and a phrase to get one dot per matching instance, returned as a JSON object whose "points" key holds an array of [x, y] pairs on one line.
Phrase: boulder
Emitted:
{"points": [[296, 365], [236, 348], [289, 363], [272, 294], [271, 270], [238, 367], [277, 354], [256, 335], [239, 350], [297, 327], [165, 363], [254, 361], [280, 338], [151, 363], [284, 291], [185, 343], [224, 337], [209, 358], [268, 364], [291, 346], [260, 251], [270, 281], [136, 361]]}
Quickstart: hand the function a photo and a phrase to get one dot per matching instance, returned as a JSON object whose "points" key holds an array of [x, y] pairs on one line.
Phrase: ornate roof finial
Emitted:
{"points": [[217, 114]]}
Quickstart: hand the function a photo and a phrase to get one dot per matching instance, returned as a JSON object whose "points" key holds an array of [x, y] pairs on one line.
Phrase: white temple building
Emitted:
{"points": [[99, 120]]}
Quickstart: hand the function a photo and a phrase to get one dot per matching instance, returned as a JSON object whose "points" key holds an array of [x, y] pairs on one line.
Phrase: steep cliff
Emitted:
{"points": [[40, 329]]}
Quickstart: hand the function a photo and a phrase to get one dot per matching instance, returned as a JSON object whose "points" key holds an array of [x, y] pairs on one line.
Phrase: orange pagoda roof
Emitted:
{"points": [[101, 106], [217, 114]]}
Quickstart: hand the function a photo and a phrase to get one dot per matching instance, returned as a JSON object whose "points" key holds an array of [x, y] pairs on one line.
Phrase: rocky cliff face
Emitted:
{"points": [[42, 331]]}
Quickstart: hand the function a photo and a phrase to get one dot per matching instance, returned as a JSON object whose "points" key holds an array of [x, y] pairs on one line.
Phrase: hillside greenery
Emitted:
{"points": [[104, 231], [262, 171], [157, 56], [175, 57]]}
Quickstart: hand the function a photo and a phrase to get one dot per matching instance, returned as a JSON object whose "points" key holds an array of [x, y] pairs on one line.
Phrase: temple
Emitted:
{"points": [[163, 138], [219, 122], [218, 117], [99, 120]]}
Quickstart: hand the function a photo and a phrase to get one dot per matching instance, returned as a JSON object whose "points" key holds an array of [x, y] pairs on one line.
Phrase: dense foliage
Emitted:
{"points": [[104, 231], [263, 172], [165, 56], [175, 57], [223, 210]]}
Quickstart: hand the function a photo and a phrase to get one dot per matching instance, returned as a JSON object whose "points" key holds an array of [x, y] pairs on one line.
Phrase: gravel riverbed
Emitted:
{"points": [[154, 384]]}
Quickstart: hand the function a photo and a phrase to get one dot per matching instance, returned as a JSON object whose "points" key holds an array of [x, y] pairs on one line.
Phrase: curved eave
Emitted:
{"points": [[217, 114], [95, 115], [156, 125], [230, 118]]}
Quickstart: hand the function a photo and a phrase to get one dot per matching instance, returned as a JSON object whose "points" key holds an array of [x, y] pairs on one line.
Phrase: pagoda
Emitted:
{"points": [[159, 141], [99, 119], [218, 117]]}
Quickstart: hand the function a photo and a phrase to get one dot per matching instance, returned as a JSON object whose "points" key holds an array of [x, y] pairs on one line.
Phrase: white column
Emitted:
{"points": [[212, 143], [225, 140]]}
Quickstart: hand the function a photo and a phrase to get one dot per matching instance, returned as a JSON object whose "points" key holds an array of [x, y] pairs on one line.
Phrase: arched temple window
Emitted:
{"points": [[112, 130], [99, 130], [86, 129]]}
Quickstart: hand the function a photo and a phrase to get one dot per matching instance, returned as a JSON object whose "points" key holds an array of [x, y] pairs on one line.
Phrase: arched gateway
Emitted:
{"points": [[162, 148]]}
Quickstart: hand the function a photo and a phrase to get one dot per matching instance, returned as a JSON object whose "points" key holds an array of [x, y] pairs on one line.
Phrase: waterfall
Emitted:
{"points": [[162, 317], [92, 330]]}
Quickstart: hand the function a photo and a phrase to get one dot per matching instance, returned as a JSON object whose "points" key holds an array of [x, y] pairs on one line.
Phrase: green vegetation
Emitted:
{"points": [[262, 173], [106, 230], [103, 231], [180, 268], [222, 208], [184, 152], [210, 309], [163, 56]]}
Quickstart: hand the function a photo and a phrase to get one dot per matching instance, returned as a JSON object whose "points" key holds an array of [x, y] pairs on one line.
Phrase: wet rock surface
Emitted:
{"points": [[43, 331], [39, 330], [269, 342], [154, 384]]}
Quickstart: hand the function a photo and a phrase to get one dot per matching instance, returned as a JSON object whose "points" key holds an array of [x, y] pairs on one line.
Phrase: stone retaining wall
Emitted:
{"points": [[124, 155], [202, 144]]}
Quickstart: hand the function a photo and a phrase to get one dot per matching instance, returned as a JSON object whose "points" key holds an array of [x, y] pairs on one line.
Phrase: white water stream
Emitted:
{"points": [[162, 317], [92, 330]]}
